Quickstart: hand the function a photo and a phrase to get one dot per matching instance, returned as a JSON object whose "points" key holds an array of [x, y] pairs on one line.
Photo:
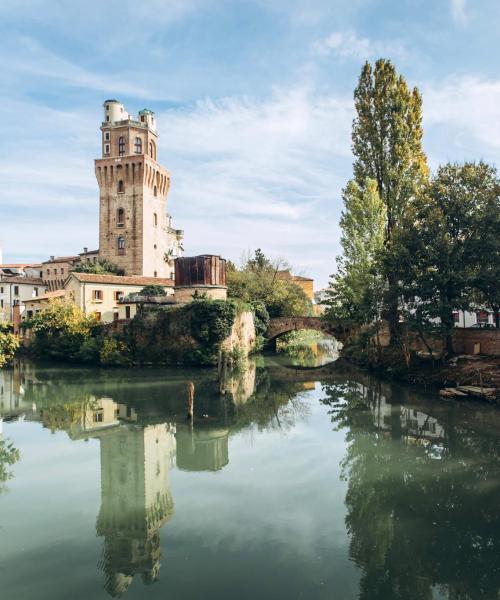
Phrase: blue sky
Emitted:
{"points": [[254, 103]]}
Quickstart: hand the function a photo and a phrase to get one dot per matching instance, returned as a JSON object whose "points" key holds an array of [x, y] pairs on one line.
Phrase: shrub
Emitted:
{"points": [[153, 290], [9, 344]]}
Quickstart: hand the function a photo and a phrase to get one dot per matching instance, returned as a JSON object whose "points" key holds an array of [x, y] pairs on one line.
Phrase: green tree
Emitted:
{"points": [[153, 290], [486, 248], [387, 145], [356, 290], [439, 259], [9, 344], [258, 280], [62, 331]]}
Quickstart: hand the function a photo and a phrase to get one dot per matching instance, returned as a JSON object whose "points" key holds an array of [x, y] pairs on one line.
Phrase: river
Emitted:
{"points": [[289, 483]]}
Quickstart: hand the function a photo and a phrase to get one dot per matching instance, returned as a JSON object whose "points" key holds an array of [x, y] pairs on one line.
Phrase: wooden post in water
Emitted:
{"points": [[190, 400]]}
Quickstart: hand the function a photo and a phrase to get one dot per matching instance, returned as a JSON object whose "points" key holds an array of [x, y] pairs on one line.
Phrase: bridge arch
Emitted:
{"points": [[280, 325]]}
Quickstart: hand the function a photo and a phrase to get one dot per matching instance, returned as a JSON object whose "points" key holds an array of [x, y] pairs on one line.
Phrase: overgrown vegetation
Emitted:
{"points": [[415, 247], [258, 280], [101, 267], [9, 344], [187, 334]]}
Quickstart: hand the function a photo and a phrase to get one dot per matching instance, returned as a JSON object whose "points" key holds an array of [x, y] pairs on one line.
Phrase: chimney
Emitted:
{"points": [[52, 257], [85, 250]]}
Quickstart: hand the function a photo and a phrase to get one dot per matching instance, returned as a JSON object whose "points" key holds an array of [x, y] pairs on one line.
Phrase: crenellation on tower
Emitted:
{"points": [[135, 232]]}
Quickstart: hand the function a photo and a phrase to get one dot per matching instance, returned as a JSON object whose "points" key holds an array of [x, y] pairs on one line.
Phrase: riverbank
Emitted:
{"points": [[460, 370]]}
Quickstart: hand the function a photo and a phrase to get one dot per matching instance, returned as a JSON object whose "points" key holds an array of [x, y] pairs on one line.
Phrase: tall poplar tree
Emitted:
{"points": [[387, 145], [356, 289]]}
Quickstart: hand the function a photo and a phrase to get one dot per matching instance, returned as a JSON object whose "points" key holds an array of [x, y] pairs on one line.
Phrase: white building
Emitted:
{"points": [[14, 291]]}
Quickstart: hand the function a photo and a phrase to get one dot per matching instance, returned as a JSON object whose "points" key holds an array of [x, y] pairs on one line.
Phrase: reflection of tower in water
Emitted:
{"points": [[202, 449], [135, 501]]}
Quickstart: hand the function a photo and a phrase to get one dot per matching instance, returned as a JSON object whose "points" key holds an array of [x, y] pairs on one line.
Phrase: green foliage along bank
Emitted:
{"points": [[9, 344], [186, 334], [197, 333]]}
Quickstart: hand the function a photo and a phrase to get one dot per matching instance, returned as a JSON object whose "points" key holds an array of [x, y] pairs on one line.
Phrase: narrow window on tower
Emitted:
{"points": [[155, 191], [138, 145], [106, 148], [152, 150], [121, 245], [155, 219], [121, 146], [121, 187], [120, 217]]}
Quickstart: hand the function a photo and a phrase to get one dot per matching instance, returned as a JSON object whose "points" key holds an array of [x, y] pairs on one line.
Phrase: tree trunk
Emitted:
{"points": [[496, 316]]}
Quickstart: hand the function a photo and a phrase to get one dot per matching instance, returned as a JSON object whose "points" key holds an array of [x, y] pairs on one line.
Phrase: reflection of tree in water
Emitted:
{"points": [[422, 513], [274, 405], [9, 455]]}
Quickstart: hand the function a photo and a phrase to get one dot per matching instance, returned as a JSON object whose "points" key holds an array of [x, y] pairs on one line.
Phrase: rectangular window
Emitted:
{"points": [[97, 316], [35, 292], [115, 316], [99, 416], [97, 295], [456, 316], [62, 271], [1, 303], [106, 148], [1, 290], [127, 312], [482, 317], [106, 136], [118, 296], [30, 313], [16, 290]]}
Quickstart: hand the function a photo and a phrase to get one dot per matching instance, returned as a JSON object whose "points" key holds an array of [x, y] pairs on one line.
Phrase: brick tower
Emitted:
{"points": [[135, 231]]}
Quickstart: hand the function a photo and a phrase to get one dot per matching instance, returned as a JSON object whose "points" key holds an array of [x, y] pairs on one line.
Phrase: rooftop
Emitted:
{"points": [[121, 280], [48, 296], [58, 259], [27, 280]]}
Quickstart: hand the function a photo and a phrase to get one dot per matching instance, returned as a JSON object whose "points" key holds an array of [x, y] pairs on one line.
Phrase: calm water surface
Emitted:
{"points": [[289, 484]]}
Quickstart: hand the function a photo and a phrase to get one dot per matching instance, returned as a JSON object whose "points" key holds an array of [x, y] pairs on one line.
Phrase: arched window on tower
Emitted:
{"points": [[121, 145], [121, 245], [155, 219], [155, 191], [120, 217], [138, 145], [121, 187]]}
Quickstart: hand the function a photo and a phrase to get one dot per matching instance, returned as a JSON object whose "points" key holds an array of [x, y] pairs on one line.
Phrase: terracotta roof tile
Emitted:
{"points": [[28, 280], [120, 279], [48, 296]]}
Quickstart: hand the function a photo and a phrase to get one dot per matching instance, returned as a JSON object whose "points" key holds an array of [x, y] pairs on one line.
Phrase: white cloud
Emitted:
{"points": [[458, 11], [347, 45], [462, 118]]}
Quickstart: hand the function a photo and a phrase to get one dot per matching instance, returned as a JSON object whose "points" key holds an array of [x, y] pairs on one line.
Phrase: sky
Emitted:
{"points": [[254, 108]]}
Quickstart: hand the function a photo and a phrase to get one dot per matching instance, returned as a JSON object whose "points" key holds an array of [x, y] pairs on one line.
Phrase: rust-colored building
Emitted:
{"points": [[305, 283]]}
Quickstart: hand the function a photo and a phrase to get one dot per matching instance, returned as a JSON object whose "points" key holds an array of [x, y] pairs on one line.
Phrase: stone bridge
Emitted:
{"points": [[281, 325]]}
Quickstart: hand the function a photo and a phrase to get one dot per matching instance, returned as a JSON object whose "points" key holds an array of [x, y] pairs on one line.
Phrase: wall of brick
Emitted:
{"points": [[464, 341]]}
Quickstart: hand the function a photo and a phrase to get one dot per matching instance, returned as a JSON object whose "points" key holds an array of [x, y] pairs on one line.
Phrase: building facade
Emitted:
{"points": [[15, 291], [135, 231], [101, 294]]}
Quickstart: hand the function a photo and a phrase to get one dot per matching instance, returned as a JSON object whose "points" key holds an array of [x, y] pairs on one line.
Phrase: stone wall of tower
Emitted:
{"points": [[142, 196]]}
